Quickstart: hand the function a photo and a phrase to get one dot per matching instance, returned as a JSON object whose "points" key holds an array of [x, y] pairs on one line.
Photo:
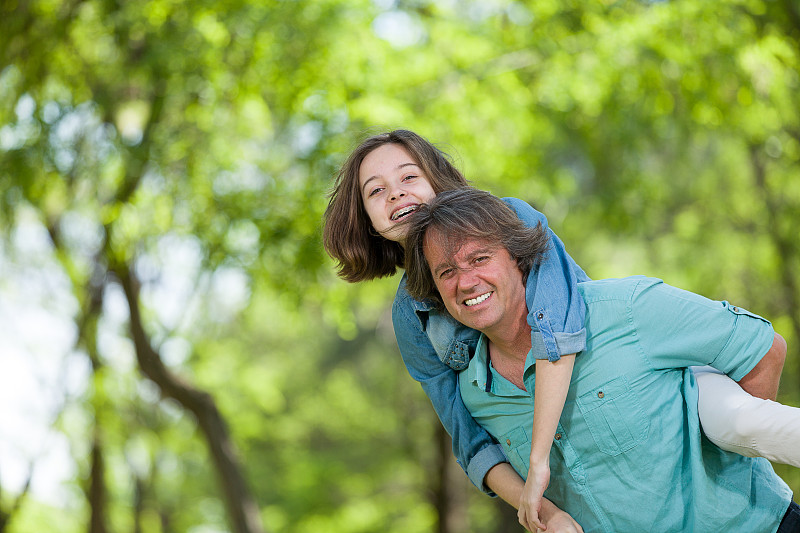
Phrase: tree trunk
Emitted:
{"points": [[7, 515], [448, 487], [138, 503], [508, 522], [242, 508], [97, 489]]}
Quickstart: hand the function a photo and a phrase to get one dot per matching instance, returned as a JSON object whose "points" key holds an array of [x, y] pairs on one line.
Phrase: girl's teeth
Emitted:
{"points": [[404, 212]]}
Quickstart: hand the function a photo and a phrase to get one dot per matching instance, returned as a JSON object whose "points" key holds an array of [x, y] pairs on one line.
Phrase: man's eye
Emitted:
{"points": [[481, 259], [444, 274]]}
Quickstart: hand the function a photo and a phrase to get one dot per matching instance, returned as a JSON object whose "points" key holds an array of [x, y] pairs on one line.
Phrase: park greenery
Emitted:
{"points": [[164, 168]]}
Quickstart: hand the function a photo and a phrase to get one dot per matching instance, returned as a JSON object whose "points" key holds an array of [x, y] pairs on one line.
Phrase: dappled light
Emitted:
{"points": [[171, 328]]}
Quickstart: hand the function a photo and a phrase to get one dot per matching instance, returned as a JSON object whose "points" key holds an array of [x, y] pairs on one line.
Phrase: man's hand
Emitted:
{"points": [[557, 521], [561, 522], [530, 503]]}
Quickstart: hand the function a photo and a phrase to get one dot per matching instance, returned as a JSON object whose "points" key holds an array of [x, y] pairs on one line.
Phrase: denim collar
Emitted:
{"points": [[424, 306]]}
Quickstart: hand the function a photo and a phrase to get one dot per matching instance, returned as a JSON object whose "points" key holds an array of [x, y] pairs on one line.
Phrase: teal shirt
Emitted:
{"points": [[628, 454]]}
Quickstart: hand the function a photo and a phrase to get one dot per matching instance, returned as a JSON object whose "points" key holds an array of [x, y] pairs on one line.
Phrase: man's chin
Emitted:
{"points": [[471, 322]]}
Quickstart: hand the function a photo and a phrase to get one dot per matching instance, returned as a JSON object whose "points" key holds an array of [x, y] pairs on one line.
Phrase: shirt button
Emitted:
{"points": [[508, 441], [540, 316], [600, 394], [558, 436], [735, 310]]}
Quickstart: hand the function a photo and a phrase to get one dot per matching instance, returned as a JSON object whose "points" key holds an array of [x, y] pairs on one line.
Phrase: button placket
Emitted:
{"points": [[571, 458]]}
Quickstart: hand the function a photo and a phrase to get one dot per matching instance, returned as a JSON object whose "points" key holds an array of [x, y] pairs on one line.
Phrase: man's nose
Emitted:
{"points": [[467, 280]]}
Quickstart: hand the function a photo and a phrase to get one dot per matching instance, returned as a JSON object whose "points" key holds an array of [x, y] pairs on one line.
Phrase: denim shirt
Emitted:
{"points": [[434, 346]]}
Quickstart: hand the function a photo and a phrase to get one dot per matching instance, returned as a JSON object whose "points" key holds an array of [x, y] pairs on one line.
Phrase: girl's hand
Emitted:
{"points": [[530, 502]]}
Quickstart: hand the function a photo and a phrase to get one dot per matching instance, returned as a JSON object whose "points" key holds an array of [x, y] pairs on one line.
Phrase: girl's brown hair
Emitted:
{"points": [[348, 235]]}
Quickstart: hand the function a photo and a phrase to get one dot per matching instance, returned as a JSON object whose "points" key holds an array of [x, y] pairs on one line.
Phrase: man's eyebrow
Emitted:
{"points": [[400, 166], [482, 251], [442, 266]]}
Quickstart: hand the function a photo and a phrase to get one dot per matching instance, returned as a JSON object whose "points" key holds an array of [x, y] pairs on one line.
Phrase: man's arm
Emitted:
{"points": [[504, 481], [763, 380]]}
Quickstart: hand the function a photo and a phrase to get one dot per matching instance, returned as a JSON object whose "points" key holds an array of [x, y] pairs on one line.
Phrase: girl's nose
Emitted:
{"points": [[396, 193]]}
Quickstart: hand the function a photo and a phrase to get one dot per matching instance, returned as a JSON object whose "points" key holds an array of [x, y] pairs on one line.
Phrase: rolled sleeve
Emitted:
{"points": [[569, 343], [482, 462], [679, 328], [752, 334]]}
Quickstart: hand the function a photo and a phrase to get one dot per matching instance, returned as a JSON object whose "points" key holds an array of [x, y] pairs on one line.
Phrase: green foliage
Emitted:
{"points": [[196, 141]]}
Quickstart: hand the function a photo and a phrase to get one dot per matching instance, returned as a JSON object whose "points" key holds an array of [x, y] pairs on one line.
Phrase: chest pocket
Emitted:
{"points": [[614, 416], [517, 448], [454, 342]]}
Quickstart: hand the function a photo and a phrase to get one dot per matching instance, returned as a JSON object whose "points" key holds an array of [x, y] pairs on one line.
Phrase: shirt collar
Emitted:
{"points": [[478, 370]]}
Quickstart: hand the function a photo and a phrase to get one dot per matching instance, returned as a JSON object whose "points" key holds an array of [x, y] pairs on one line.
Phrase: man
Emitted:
{"points": [[628, 454]]}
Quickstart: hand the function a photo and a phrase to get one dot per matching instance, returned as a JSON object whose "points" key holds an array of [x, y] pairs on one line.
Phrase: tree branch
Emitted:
{"points": [[242, 508], [6, 516]]}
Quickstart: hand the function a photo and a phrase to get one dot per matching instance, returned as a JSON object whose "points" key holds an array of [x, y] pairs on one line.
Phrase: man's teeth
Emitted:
{"points": [[403, 212], [476, 301]]}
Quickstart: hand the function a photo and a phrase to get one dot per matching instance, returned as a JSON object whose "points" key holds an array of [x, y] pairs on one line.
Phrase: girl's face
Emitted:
{"points": [[392, 187]]}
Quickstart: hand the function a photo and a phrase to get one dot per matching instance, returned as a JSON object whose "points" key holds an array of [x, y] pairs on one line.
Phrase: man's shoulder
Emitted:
{"points": [[615, 288]]}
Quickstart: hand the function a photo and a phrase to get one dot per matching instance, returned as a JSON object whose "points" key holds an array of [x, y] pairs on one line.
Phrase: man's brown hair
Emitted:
{"points": [[456, 216]]}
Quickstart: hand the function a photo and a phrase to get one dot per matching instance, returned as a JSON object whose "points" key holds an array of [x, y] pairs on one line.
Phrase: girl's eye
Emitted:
{"points": [[375, 191], [410, 176]]}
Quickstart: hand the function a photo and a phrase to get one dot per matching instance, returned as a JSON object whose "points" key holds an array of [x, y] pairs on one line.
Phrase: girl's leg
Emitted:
{"points": [[738, 422]]}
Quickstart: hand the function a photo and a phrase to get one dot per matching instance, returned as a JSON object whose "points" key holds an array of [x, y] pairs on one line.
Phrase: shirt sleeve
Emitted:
{"points": [[556, 310], [677, 328], [475, 450]]}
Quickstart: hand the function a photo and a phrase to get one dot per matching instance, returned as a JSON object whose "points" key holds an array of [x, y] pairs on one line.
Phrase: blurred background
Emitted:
{"points": [[176, 351]]}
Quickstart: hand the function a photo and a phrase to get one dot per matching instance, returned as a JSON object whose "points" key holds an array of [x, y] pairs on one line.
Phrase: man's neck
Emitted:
{"points": [[508, 349]]}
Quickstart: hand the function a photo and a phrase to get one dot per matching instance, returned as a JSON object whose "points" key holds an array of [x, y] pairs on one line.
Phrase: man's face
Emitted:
{"points": [[481, 284]]}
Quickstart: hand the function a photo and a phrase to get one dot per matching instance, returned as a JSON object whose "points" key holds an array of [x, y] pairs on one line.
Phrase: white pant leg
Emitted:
{"points": [[738, 422]]}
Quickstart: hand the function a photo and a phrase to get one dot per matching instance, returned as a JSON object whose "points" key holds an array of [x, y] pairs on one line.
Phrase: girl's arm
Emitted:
{"points": [[556, 314], [552, 382], [475, 450]]}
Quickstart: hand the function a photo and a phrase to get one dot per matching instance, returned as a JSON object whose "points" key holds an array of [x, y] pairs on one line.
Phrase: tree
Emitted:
{"points": [[178, 156]]}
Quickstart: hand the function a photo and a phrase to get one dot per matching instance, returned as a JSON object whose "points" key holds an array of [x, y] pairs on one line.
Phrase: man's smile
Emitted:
{"points": [[477, 299]]}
